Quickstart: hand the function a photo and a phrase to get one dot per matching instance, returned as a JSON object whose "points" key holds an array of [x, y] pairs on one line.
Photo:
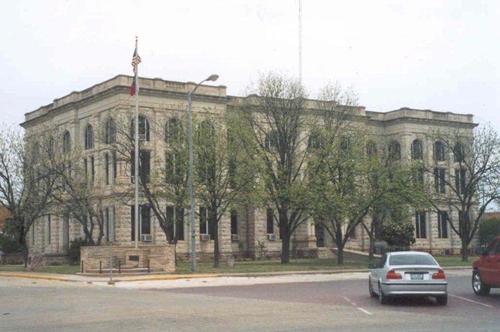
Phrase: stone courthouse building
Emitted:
{"points": [[81, 116]]}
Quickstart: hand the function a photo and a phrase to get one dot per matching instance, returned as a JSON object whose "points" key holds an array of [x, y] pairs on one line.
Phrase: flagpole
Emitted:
{"points": [[136, 154]]}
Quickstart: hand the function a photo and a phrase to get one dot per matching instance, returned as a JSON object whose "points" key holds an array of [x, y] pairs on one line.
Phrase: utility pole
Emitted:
{"points": [[212, 77]]}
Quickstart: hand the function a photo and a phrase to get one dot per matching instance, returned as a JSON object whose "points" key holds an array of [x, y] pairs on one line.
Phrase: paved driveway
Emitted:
{"points": [[343, 305]]}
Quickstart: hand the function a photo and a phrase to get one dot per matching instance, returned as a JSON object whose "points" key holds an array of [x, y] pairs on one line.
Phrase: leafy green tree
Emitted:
{"points": [[223, 176], [277, 126], [488, 230]]}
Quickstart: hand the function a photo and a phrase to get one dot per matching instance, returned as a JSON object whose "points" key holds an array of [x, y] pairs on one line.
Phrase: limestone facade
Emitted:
{"points": [[161, 100]]}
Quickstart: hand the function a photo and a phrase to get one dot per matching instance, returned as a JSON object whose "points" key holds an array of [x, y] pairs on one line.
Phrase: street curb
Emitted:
{"points": [[36, 276], [153, 277]]}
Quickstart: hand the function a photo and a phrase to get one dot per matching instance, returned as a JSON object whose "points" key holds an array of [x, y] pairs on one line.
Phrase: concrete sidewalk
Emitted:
{"points": [[104, 277]]}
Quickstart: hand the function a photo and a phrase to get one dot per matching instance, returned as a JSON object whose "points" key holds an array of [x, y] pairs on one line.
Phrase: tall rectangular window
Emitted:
{"points": [[463, 222], [173, 167], [170, 222], [460, 180], [115, 166], [49, 228], [440, 180], [234, 222], [144, 220], [144, 165], [175, 220], [179, 223], [106, 167], [107, 228], [92, 169], [270, 221], [420, 225], [86, 169], [203, 220], [443, 224]]}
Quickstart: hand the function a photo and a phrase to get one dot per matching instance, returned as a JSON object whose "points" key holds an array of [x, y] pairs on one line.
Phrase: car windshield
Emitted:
{"points": [[409, 259]]}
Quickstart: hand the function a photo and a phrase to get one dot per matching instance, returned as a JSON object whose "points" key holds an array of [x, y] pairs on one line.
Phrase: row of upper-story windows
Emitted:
{"points": [[440, 151], [172, 132]]}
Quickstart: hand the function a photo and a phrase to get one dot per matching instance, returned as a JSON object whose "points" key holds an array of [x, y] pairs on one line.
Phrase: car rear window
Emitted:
{"points": [[411, 260]]}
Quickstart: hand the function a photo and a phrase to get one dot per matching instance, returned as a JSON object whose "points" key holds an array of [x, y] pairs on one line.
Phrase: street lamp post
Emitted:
{"points": [[212, 77]]}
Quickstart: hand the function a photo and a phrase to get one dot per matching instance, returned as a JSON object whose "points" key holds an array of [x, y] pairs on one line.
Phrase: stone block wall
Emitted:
{"points": [[160, 257]]}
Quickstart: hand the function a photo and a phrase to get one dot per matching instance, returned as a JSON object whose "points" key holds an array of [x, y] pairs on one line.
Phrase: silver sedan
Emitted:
{"points": [[408, 273]]}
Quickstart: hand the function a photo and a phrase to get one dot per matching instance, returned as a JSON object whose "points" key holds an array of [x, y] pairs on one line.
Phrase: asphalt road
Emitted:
{"points": [[27, 305]]}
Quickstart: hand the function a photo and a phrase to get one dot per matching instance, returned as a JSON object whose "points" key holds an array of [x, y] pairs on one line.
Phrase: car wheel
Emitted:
{"points": [[370, 288], [479, 287], [442, 300], [381, 297]]}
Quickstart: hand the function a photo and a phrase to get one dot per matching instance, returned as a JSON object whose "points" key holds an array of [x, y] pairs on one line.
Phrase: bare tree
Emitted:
{"points": [[474, 182], [75, 195], [163, 182], [26, 179]]}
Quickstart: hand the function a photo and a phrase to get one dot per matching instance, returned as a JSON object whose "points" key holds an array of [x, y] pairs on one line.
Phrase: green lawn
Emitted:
{"points": [[312, 264], [454, 260]]}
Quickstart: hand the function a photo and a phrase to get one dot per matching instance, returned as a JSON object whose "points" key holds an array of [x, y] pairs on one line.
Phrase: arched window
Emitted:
{"points": [[89, 137], [371, 148], [66, 142], [143, 128], [315, 140], [458, 153], [206, 130], [439, 151], [417, 152], [110, 131], [394, 150], [172, 131]]}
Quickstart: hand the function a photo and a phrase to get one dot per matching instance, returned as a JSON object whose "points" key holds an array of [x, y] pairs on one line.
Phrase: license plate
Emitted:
{"points": [[417, 276]]}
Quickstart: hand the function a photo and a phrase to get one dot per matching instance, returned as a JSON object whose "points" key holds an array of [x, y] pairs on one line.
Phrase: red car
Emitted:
{"points": [[486, 273]]}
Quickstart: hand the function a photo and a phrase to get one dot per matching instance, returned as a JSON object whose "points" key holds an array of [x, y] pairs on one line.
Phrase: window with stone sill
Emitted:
{"points": [[89, 137], [417, 152], [442, 224], [420, 225]]}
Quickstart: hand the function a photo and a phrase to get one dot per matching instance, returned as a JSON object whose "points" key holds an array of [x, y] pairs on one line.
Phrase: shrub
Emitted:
{"points": [[488, 230], [398, 234], [8, 244], [74, 250]]}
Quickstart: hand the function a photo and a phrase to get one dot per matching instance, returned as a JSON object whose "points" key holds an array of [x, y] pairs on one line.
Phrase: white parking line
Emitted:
{"points": [[365, 311], [354, 305], [471, 301]]}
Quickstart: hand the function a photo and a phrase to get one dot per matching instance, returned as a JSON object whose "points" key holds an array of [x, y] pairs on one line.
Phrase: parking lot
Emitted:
{"points": [[320, 305]]}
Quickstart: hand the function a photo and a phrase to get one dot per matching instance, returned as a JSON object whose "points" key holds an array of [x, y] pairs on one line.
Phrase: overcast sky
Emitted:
{"points": [[440, 55]]}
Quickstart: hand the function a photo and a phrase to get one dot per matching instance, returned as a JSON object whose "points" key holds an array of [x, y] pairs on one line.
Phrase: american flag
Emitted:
{"points": [[136, 60]]}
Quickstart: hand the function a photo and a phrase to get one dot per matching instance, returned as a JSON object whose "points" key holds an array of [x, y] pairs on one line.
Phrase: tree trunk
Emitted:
{"points": [[285, 235], [216, 245], [465, 253], [371, 250], [285, 249], [340, 246], [340, 255], [22, 242]]}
